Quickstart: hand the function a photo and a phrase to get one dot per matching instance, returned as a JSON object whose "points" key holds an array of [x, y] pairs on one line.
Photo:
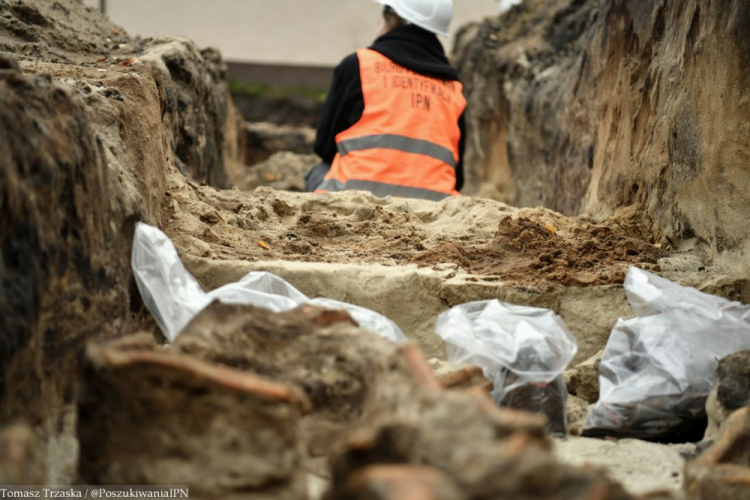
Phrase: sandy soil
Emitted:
{"points": [[639, 466], [480, 237], [283, 170]]}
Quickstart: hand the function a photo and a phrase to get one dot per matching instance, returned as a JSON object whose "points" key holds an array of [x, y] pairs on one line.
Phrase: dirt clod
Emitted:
{"points": [[349, 375], [149, 416], [723, 471], [397, 482], [486, 453]]}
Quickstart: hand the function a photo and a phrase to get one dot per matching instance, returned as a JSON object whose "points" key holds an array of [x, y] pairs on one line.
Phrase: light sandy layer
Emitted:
{"points": [[413, 297], [640, 466]]}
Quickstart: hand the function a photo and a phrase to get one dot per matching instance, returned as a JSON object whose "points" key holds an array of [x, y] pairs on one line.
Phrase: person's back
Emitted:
{"points": [[393, 122]]}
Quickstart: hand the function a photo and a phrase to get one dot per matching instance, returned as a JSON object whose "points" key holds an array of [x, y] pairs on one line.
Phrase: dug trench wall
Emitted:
{"points": [[588, 106], [89, 120]]}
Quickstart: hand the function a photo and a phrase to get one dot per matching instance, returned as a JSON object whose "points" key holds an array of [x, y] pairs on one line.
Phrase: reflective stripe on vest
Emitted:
{"points": [[381, 189], [397, 142], [406, 142]]}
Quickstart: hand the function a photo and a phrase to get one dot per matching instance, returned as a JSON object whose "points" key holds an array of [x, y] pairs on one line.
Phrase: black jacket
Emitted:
{"points": [[411, 47]]}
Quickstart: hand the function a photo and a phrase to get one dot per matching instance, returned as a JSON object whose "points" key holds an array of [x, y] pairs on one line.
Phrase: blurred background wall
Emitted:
{"points": [[279, 42]]}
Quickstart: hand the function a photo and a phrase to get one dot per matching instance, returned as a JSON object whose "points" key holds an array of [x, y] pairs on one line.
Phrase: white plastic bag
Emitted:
{"points": [[658, 368], [523, 350], [168, 290], [173, 296]]}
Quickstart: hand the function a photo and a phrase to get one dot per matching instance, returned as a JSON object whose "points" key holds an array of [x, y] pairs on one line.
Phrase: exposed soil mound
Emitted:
{"points": [[531, 246], [521, 248], [376, 252], [350, 376]]}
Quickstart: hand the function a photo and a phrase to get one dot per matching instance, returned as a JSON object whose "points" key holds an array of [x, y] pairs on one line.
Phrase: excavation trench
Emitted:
{"points": [[104, 130]]}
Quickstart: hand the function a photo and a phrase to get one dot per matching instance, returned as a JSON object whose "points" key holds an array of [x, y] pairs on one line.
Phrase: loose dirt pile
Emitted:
{"points": [[483, 238], [521, 248], [390, 254]]}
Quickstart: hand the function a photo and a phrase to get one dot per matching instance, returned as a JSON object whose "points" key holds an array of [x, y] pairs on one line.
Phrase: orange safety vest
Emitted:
{"points": [[406, 143]]}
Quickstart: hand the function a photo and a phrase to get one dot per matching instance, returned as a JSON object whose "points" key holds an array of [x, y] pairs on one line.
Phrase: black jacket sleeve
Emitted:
{"points": [[461, 149], [343, 107]]}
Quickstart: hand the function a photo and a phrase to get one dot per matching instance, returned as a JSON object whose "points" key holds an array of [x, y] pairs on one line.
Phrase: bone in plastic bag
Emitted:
{"points": [[658, 368], [523, 350], [174, 297]]}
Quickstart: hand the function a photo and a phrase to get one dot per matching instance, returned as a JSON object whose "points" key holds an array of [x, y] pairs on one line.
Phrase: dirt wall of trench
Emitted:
{"points": [[594, 105], [90, 121]]}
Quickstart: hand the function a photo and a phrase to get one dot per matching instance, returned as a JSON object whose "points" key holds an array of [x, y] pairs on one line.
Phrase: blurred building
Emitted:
{"points": [[504, 5], [285, 42]]}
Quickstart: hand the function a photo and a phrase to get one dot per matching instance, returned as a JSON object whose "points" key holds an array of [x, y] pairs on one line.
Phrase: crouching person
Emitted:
{"points": [[393, 123]]}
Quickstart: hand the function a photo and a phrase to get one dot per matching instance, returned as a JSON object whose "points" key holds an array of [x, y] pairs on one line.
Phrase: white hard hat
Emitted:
{"points": [[432, 15]]}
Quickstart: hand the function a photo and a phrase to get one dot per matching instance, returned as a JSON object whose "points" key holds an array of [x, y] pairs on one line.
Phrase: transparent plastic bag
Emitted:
{"points": [[173, 296], [658, 368], [523, 350]]}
